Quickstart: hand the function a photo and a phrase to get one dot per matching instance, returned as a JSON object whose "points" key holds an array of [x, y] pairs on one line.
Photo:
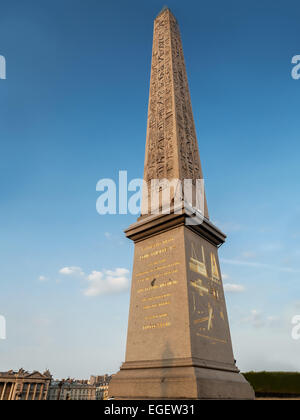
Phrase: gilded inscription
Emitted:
{"points": [[157, 325], [158, 274], [158, 269], [155, 287], [158, 244], [156, 305], [157, 252], [149, 318], [156, 262], [152, 298]]}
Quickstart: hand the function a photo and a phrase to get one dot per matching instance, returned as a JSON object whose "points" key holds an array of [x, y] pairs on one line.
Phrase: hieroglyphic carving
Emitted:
{"points": [[171, 130], [159, 153], [171, 147], [189, 165]]}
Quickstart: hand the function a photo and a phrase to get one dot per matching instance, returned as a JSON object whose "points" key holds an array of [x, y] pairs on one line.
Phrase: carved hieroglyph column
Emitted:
{"points": [[178, 342], [171, 144]]}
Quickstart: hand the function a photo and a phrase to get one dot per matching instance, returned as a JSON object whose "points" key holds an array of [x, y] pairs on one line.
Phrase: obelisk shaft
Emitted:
{"points": [[171, 145]]}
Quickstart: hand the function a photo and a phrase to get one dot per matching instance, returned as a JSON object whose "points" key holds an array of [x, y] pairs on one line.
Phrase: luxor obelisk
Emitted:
{"points": [[178, 343]]}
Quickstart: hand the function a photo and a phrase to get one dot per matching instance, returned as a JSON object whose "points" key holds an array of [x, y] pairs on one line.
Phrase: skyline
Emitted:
{"points": [[74, 110]]}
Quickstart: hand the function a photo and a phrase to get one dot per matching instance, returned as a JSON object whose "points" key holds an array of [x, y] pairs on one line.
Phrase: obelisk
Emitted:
{"points": [[178, 342]]}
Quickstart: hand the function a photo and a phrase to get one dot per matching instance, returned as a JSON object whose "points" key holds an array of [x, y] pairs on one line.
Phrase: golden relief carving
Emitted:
{"points": [[196, 265], [214, 269], [216, 340], [208, 313], [198, 284], [207, 319]]}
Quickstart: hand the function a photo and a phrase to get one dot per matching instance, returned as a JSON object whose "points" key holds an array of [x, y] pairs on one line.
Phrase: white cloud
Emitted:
{"points": [[233, 288], [225, 276], [107, 282], [107, 235], [43, 278], [71, 271]]}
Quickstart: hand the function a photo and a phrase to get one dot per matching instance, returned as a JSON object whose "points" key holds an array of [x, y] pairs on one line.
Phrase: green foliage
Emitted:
{"points": [[285, 383]]}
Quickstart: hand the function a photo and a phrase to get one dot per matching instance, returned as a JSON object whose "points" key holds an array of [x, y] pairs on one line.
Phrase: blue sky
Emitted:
{"points": [[73, 110]]}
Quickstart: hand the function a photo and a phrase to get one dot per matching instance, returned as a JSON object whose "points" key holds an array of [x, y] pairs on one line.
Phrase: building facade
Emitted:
{"points": [[71, 390], [23, 385], [101, 383]]}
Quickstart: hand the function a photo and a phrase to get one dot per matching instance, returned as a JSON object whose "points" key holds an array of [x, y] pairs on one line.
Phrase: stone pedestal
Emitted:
{"points": [[178, 344]]}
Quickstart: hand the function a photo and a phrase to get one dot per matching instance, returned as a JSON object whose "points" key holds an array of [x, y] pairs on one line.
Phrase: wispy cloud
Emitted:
{"points": [[255, 319], [233, 288], [271, 247], [297, 305], [248, 254], [107, 281], [229, 226], [259, 265], [43, 278], [258, 320], [273, 320]]}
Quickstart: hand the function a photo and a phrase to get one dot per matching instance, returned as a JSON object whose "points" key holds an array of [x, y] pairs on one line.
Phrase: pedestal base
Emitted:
{"points": [[178, 342], [185, 382]]}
